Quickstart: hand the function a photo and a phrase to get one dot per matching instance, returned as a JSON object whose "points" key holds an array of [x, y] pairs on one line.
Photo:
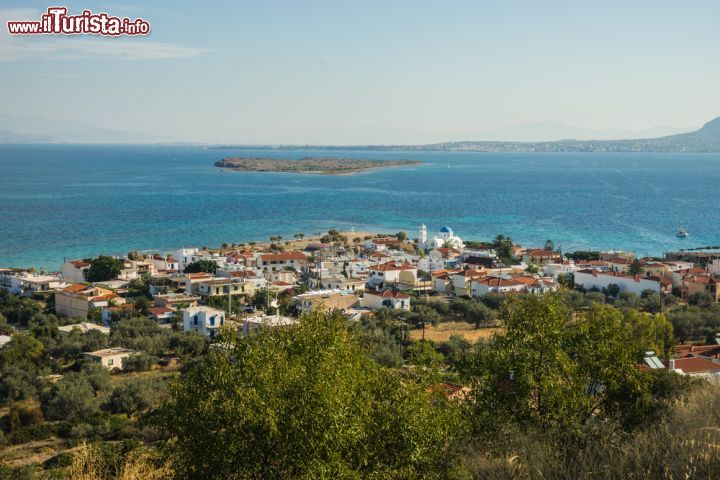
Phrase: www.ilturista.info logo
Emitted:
{"points": [[57, 22]]}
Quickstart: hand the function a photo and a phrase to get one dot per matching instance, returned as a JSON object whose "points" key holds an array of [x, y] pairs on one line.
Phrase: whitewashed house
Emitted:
{"points": [[205, 320]]}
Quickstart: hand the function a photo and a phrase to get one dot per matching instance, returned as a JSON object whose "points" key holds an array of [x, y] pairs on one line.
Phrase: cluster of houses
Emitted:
{"points": [[378, 272]]}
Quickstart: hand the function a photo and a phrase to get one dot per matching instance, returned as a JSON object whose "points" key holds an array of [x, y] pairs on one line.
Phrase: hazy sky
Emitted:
{"points": [[355, 72]]}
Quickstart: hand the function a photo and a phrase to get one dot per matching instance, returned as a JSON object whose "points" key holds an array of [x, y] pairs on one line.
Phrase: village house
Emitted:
{"points": [[392, 274], [553, 269], [375, 300], [326, 300], [701, 284], [620, 265], [380, 244], [165, 264], [695, 367], [117, 312], [270, 262], [482, 286], [162, 315], [536, 285], [110, 358], [256, 323], [593, 279], [80, 300], [205, 320], [462, 281], [84, 327], [225, 287], [75, 271], [245, 258], [175, 300], [540, 257], [27, 284], [442, 281], [342, 283], [444, 253]]}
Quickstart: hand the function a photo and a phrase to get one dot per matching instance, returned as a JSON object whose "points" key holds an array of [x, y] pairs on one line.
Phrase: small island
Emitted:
{"points": [[315, 165]]}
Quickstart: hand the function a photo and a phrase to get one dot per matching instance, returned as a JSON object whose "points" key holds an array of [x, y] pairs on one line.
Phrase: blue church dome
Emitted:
{"points": [[446, 229]]}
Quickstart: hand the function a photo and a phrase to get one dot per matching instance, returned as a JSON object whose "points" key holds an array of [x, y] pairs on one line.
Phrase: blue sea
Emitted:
{"points": [[69, 201]]}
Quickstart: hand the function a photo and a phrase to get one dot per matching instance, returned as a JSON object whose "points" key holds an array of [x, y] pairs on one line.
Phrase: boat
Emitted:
{"points": [[682, 234]]}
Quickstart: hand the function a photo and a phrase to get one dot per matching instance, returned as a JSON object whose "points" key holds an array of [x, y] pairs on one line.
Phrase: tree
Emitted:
{"points": [[305, 402], [16, 384], [136, 396], [22, 350], [636, 267], [402, 236], [423, 353], [142, 305], [549, 245], [207, 266], [72, 399], [612, 290], [548, 369], [140, 362], [104, 268], [701, 299], [135, 255], [649, 332], [503, 246]]}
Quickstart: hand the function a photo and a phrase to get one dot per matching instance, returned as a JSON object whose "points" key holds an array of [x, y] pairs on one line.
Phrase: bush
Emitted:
{"points": [[135, 396], [71, 399], [140, 362]]}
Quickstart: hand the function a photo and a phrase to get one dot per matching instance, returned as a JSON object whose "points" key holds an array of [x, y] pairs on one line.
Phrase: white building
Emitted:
{"points": [[481, 286], [391, 274], [590, 279], [444, 238], [111, 358], [252, 324], [270, 262], [205, 320], [555, 269], [27, 284], [74, 271], [387, 298], [184, 257]]}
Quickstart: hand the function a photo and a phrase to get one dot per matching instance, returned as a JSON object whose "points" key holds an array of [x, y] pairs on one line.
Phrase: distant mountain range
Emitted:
{"points": [[31, 129]]}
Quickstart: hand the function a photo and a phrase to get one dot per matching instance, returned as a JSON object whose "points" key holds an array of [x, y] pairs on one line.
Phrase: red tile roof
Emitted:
{"points": [[542, 253], [392, 266], [76, 288], [283, 256], [695, 365], [388, 294], [79, 263]]}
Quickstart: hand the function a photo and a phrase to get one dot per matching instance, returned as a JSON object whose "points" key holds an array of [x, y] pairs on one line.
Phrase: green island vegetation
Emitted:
{"points": [[552, 388], [316, 165]]}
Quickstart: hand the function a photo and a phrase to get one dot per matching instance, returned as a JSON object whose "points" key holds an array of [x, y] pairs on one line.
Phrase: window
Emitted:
{"points": [[212, 321], [110, 362], [195, 320]]}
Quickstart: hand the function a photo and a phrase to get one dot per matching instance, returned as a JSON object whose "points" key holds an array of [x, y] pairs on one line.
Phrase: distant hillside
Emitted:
{"points": [[705, 140]]}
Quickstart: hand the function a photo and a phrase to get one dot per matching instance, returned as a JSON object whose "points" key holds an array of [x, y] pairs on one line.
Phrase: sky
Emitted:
{"points": [[369, 72]]}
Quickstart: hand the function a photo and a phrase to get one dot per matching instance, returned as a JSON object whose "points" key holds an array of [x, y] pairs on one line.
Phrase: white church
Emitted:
{"points": [[444, 238]]}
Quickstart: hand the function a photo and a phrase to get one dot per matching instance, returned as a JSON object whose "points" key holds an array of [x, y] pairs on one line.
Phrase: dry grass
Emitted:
{"points": [[32, 452], [684, 445], [443, 331], [141, 464]]}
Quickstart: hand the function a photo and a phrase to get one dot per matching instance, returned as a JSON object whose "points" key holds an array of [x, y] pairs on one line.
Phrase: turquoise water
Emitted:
{"points": [[77, 201]]}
